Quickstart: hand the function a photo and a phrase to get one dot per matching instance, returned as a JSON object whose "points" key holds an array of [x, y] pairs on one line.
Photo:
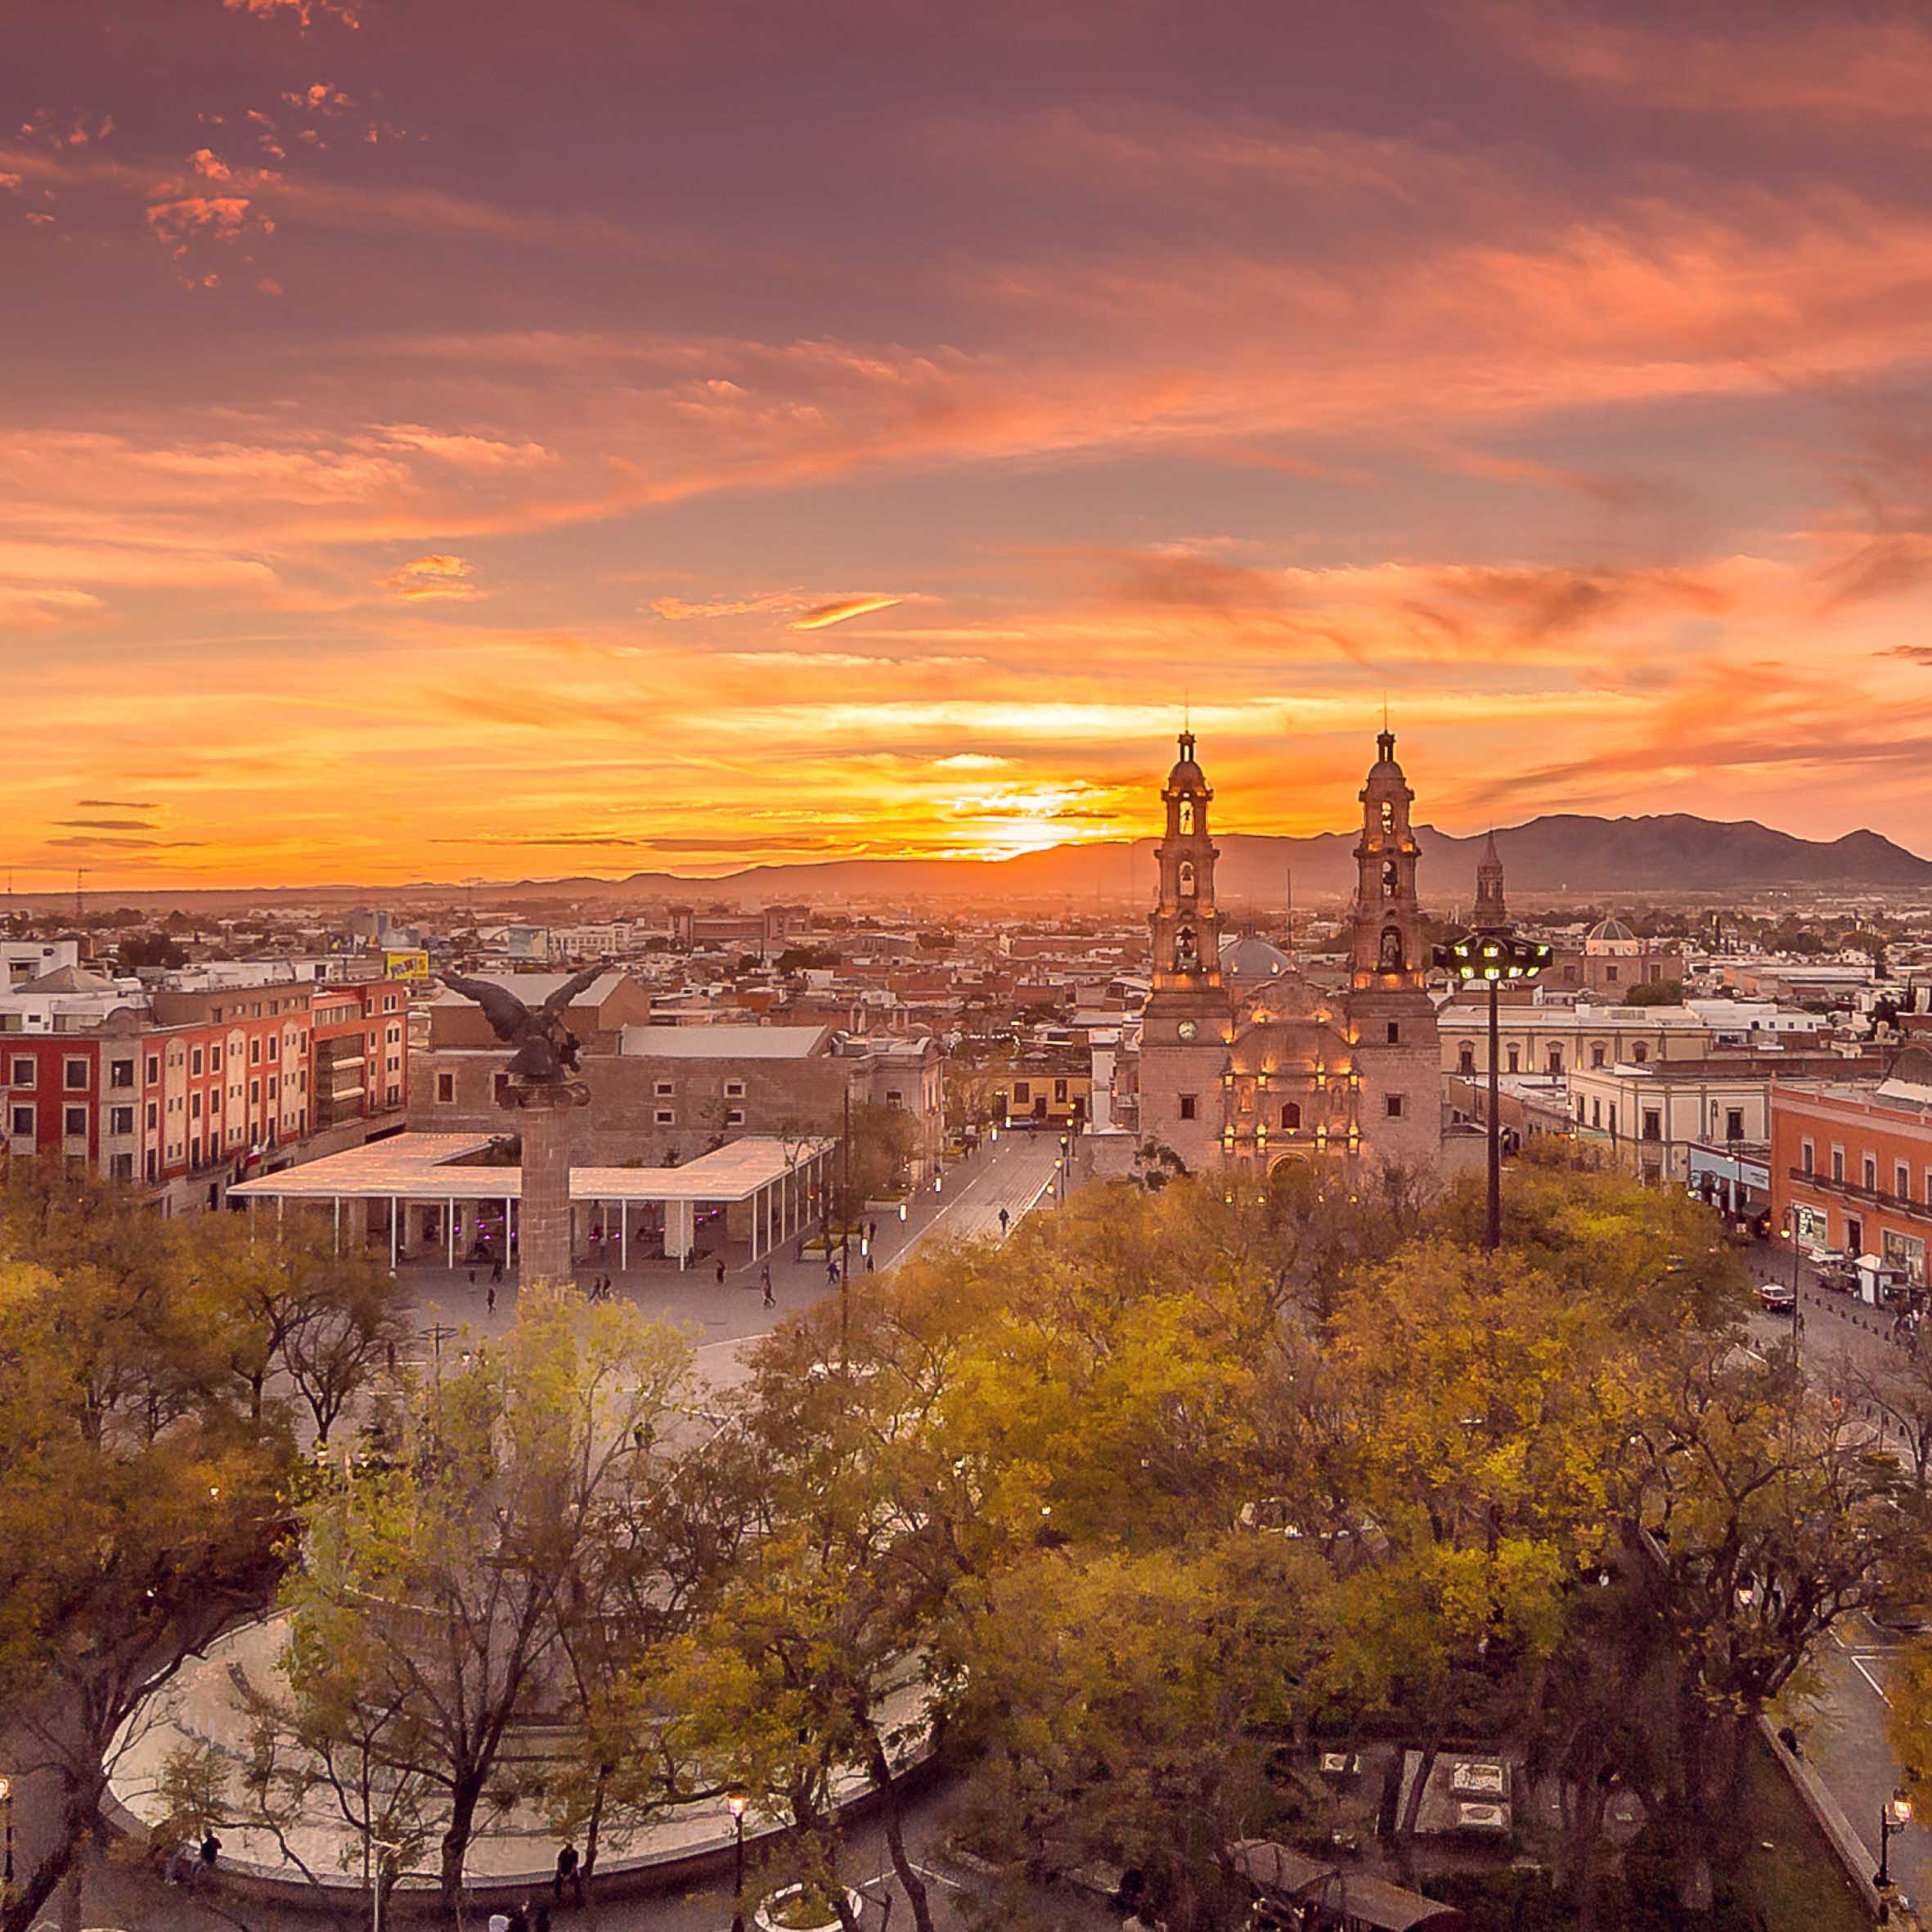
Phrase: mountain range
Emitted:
{"points": [[1556, 854], [1560, 854]]}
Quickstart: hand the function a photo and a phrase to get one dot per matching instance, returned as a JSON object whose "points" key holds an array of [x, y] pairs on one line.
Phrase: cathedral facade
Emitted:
{"points": [[1245, 1069]]}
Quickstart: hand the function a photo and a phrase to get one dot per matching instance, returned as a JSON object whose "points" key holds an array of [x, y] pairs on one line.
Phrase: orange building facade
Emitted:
{"points": [[1852, 1166]]}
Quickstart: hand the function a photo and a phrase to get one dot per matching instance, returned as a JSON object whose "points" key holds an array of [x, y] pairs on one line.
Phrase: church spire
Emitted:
{"points": [[1491, 909], [1388, 951], [1186, 920]]}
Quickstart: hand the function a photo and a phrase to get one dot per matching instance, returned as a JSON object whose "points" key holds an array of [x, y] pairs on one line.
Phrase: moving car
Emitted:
{"points": [[1776, 1297]]}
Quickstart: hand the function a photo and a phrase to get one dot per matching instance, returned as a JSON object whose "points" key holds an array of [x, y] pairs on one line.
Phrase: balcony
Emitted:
{"points": [[1852, 1190]]}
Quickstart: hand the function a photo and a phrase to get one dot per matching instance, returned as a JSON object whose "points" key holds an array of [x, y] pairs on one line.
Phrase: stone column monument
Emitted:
{"points": [[541, 1089]]}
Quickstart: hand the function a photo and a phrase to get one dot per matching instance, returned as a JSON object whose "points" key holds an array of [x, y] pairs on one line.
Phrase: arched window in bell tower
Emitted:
{"points": [[1186, 878], [1186, 951], [1388, 815], [1389, 878], [1392, 949], [1186, 824]]}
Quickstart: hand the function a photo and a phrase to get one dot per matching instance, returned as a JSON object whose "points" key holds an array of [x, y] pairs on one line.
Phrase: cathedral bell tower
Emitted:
{"points": [[1388, 954], [1186, 922], [1491, 909]]}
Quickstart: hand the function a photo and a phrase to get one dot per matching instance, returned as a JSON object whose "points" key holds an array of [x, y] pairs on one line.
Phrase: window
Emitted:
{"points": [[734, 1116], [195, 1063], [123, 1166], [255, 1093], [1639, 1054], [154, 1116], [194, 1107], [1807, 1155], [121, 1121], [273, 1043], [734, 1090], [1653, 1124], [1556, 1061], [21, 1125], [23, 1070], [1187, 1107], [274, 1084], [75, 1075], [154, 1069], [214, 1059], [1395, 1032], [1901, 1180], [1613, 1120], [666, 1088], [1023, 1095], [1515, 1059], [1596, 1113], [1291, 1117], [1597, 1053], [120, 1073], [254, 1051], [1059, 1090], [76, 1121], [1610, 974], [1838, 1163], [445, 1089], [1870, 1173], [666, 1117], [1392, 1106], [1465, 1058], [1734, 1123]]}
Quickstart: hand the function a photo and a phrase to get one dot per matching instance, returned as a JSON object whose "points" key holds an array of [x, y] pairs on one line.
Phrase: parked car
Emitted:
{"points": [[1776, 1297]]}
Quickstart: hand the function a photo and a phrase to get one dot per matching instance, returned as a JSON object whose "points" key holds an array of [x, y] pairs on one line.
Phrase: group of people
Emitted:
{"points": [[536, 1918]]}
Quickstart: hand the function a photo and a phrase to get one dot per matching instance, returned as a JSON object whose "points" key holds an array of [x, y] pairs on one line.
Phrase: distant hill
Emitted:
{"points": [[1563, 852]]}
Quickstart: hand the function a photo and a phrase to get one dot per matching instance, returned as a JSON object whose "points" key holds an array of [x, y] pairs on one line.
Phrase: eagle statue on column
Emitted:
{"points": [[546, 1047]]}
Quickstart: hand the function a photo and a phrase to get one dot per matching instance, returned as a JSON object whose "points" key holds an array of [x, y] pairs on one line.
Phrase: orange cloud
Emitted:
{"points": [[434, 579], [821, 616]]}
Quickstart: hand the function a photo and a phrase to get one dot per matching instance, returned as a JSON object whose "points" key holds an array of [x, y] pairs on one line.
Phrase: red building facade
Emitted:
{"points": [[206, 1086]]}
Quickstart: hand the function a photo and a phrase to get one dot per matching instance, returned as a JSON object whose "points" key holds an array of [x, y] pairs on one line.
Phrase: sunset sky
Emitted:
{"points": [[460, 438]]}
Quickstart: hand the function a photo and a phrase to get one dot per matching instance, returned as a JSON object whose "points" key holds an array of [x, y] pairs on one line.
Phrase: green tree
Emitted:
{"points": [[436, 1590]]}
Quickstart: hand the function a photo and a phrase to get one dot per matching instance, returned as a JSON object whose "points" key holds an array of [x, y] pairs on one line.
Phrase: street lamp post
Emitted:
{"points": [[1490, 956], [1064, 1161], [736, 1802], [1892, 1818]]}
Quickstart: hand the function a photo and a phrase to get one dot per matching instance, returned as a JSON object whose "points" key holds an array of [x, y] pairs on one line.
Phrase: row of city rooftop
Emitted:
{"points": [[210, 1061]]}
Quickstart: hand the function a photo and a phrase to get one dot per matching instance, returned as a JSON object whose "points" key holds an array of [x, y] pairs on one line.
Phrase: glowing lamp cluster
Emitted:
{"points": [[1492, 958]]}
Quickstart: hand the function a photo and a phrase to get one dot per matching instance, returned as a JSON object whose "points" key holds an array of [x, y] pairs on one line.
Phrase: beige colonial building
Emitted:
{"points": [[1563, 1039], [1242, 1062]]}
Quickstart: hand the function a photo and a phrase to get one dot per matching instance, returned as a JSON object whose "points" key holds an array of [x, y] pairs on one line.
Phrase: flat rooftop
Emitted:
{"points": [[724, 1043], [445, 1167]]}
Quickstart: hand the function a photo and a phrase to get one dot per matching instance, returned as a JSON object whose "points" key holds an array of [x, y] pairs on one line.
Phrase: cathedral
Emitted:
{"points": [[1242, 1062]]}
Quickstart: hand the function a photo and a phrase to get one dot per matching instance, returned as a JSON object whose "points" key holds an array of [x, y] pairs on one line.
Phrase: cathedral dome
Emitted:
{"points": [[1611, 936], [1187, 776], [1250, 961]]}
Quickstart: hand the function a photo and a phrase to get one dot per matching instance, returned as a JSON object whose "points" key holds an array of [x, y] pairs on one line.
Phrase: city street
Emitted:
{"points": [[1844, 1735]]}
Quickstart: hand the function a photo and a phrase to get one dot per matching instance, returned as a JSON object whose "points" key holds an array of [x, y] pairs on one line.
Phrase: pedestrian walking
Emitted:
{"points": [[872, 1232], [831, 1271], [490, 1299], [211, 1850], [871, 1262], [473, 1277], [720, 1271], [765, 1282], [497, 1268]]}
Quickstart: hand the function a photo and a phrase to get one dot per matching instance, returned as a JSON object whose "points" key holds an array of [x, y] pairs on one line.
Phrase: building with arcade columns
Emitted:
{"points": [[1243, 1071]]}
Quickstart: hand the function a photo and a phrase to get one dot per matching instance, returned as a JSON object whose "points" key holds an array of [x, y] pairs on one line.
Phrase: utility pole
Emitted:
{"points": [[80, 872]]}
